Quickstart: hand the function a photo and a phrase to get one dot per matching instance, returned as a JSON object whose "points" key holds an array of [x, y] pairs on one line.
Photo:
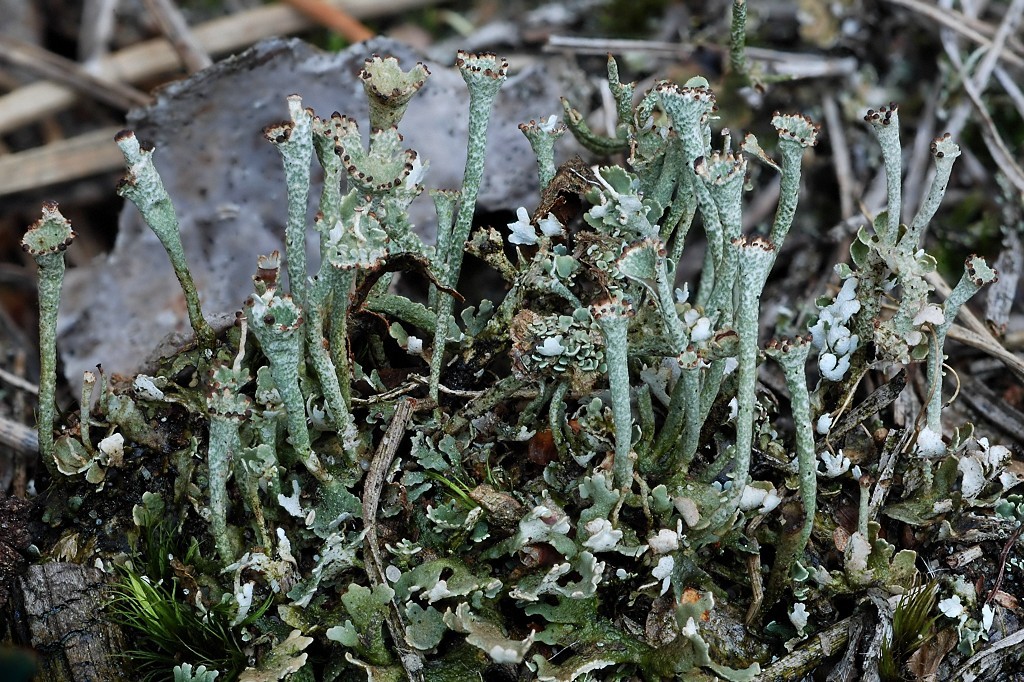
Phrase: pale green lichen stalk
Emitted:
{"points": [[755, 258], [335, 292], [796, 133], [690, 108], [144, 188], [723, 174], [977, 274], [484, 75], [294, 140], [886, 125], [945, 151], [46, 240], [613, 317], [792, 356], [542, 137], [276, 321], [228, 406]]}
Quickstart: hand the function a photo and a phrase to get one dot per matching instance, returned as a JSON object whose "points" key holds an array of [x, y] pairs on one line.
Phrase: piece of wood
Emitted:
{"points": [[376, 478], [58, 612], [1001, 293], [803, 660], [967, 27], [177, 30], [18, 382], [95, 29], [154, 57], [53, 67], [334, 18], [70, 159], [18, 437]]}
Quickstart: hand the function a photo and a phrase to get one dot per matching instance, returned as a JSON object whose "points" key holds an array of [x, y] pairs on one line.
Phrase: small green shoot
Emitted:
{"points": [[913, 626]]}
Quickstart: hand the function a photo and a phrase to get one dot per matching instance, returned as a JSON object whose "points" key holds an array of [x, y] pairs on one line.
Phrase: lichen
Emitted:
{"points": [[560, 481]]}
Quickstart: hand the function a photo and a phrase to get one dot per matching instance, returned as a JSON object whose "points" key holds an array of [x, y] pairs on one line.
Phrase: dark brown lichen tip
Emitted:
{"points": [[123, 135]]}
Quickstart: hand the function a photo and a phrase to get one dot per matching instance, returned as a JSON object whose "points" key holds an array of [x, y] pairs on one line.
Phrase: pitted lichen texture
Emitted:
{"points": [[514, 485]]}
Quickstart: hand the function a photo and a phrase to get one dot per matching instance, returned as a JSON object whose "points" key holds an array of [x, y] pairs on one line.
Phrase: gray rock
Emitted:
{"points": [[227, 184]]}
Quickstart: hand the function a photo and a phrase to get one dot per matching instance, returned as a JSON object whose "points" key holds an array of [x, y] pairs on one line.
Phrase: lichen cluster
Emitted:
{"points": [[582, 476]]}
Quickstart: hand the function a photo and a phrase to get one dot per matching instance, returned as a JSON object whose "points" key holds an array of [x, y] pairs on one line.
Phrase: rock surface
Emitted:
{"points": [[227, 184]]}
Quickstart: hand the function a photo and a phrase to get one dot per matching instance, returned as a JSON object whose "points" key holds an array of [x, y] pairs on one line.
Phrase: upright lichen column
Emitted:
{"points": [[886, 125], [755, 257], [46, 241], [792, 356], [277, 323], [228, 406], [796, 133], [688, 108], [294, 140], [977, 274], [613, 317], [723, 174], [144, 188], [484, 75], [542, 138]]}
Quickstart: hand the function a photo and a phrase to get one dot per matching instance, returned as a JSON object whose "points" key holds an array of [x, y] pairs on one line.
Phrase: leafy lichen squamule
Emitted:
{"points": [[644, 445]]}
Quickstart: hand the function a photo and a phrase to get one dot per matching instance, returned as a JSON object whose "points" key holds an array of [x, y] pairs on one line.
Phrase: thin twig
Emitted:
{"points": [[19, 437], [920, 166], [1011, 88], [15, 381], [1003, 557], [376, 477], [792, 64], [993, 407], [840, 155], [460, 393], [174, 26], [71, 159], [1003, 157], [143, 61], [961, 24], [334, 18], [974, 85], [50, 66], [95, 30]]}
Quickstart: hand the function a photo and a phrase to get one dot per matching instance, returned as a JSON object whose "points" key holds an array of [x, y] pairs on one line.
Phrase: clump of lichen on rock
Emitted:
{"points": [[582, 476]]}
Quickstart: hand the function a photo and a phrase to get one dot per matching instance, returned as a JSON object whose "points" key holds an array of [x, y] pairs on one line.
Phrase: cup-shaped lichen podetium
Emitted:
{"points": [[143, 187], [389, 89], [792, 356], [379, 169], [294, 141], [613, 316], [723, 174], [46, 241], [541, 137], [484, 75], [755, 257], [796, 133], [277, 323]]}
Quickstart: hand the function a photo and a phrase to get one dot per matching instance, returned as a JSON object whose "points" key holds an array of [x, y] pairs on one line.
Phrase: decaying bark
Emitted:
{"points": [[56, 609]]}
